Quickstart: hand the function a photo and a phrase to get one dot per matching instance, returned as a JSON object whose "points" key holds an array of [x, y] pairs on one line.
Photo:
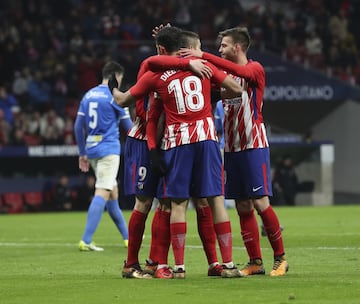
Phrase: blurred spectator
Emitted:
{"points": [[39, 92], [52, 128], [17, 137], [314, 50], [285, 182], [20, 85], [88, 71], [295, 51], [8, 104], [85, 193], [338, 25], [5, 129], [183, 16], [62, 196], [33, 123], [68, 133], [59, 90]]}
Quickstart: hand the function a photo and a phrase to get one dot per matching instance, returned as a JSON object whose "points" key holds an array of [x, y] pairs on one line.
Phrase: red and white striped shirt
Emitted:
{"points": [[138, 130], [244, 126], [179, 134]]}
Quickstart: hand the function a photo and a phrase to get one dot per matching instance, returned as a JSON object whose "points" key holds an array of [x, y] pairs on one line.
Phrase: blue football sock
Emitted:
{"points": [[118, 217], [95, 212]]}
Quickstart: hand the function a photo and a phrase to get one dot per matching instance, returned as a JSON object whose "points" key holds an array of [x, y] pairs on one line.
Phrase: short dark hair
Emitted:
{"points": [[239, 35], [111, 68], [170, 38], [189, 39]]}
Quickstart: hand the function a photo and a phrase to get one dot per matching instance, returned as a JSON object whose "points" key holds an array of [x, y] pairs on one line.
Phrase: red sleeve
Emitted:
{"points": [[143, 86], [250, 72], [217, 77], [154, 113], [163, 63], [144, 67]]}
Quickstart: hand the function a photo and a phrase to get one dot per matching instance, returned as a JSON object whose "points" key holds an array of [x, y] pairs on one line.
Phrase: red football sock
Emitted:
{"points": [[250, 234], [154, 235], [272, 228], [136, 231], [207, 233], [224, 236], [163, 238], [178, 234]]}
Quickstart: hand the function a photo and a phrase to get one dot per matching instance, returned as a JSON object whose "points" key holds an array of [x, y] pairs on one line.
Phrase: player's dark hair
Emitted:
{"points": [[111, 68], [239, 35], [170, 38], [189, 39]]}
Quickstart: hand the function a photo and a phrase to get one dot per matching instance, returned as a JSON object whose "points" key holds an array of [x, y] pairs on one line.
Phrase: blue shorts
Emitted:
{"points": [[138, 179], [193, 170], [247, 174]]}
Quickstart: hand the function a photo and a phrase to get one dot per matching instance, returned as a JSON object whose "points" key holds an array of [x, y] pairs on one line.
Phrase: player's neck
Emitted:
{"points": [[242, 59]]}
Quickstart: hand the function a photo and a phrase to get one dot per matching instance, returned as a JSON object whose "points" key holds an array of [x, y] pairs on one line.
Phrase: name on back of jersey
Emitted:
{"points": [[167, 74], [96, 94]]}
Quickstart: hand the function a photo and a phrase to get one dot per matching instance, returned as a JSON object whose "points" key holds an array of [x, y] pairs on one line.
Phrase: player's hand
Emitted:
{"points": [[199, 67], [157, 163], [185, 52], [84, 164], [113, 83], [156, 29]]}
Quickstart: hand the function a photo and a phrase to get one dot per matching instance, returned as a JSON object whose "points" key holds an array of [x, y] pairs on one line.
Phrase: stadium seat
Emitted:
{"points": [[32, 140], [13, 202], [33, 200]]}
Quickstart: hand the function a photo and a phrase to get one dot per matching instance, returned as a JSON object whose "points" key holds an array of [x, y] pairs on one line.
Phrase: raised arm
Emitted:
{"points": [[142, 87], [163, 63], [123, 99], [250, 72]]}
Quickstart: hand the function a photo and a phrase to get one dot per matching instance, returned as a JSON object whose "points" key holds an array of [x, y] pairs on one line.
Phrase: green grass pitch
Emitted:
{"points": [[40, 262]]}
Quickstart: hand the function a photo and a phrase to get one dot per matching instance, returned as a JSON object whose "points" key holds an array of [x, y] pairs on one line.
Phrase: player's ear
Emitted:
{"points": [[238, 47], [161, 50], [119, 77]]}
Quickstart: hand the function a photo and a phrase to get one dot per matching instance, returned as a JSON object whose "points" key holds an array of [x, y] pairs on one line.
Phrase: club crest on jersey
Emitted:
{"points": [[167, 74]]}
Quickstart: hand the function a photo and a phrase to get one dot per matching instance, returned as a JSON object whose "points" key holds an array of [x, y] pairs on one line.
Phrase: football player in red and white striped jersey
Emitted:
{"points": [[246, 153], [141, 181]]}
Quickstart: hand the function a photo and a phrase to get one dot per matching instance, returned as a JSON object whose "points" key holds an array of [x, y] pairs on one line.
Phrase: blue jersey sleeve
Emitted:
{"points": [[79, 131], [125, 120]]}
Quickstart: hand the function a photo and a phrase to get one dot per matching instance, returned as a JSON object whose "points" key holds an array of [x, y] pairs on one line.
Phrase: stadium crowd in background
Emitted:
{"points": [[51, 53]]}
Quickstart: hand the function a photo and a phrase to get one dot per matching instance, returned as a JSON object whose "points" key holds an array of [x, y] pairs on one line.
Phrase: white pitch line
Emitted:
{"points": [[30, 245]]}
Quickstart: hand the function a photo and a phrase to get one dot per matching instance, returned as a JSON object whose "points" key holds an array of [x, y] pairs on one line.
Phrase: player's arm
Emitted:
{"points": [[125, 121], [138, 91], [163, 63], [123, 99], [225, 81], [250, 72], [80, 135], [79, 131]]}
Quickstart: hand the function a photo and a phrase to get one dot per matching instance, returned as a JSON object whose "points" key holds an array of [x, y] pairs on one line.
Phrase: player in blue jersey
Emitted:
{"points": [[97, 136]]}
